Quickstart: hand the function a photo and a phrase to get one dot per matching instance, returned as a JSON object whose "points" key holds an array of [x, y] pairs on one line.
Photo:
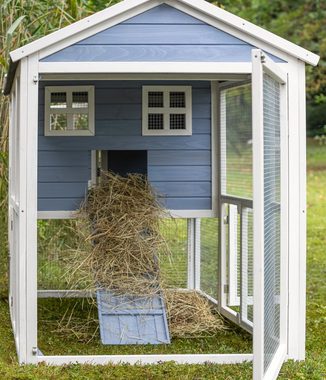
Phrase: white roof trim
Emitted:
{"points": [[200, 5]]}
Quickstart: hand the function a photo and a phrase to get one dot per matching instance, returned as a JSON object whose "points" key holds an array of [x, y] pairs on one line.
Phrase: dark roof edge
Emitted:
{"points": [[10, 77]]}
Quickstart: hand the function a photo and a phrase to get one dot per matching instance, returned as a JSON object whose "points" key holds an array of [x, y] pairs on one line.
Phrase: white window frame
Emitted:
{"points": [[90, 111], [166, 110]]}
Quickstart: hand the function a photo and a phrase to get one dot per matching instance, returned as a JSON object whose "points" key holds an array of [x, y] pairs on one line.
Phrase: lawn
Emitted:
{"points": [[313, 368]]}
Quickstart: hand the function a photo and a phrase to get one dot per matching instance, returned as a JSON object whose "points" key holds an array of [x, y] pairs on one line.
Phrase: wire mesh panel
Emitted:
{"points": [[174, 267], [58, 245], [271, 112], [236, 189], [57, 242], [247, 266], [236, 141], [209, 256]]}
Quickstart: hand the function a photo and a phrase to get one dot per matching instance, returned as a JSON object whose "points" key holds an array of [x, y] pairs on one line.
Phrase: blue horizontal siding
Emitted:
{"points": [[179, 157], [48, 158], [62, 189], [163, 14], [182, 189], [187, 203], [179, 167], [179, 173], [59, 204], [153, 53], [64, 174], [160, 34]]}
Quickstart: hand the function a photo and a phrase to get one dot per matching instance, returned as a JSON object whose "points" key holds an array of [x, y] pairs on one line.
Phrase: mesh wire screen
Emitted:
{"points": [[155, 99], [177, 99], [155, 121], [247, 265], [58, 100], [174, 269], [80, 99], [236, 141], [177, 121], [271, 107], [209, 256], [56, 238]]}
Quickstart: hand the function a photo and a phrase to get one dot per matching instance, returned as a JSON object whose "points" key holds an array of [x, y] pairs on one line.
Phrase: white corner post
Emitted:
{"points": [[193, 232], [297, 211], [27, 254]]}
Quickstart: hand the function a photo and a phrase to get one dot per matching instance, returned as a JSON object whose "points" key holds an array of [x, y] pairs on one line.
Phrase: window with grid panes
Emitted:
{"points": [[167, 110], [69, 111]]}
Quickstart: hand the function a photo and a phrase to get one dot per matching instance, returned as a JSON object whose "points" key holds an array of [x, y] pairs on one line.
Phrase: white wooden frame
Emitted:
{"points": [[29, 70], [166, 111], [261, 65], [69, 111], [117, 13]]}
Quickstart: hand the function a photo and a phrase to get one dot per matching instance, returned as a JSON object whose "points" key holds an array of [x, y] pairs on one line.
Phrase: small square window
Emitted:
{"points": [[155, 121], [155, 99], [58, 100], [69, 111], [167, 111], [80, 99], [177, 99], [177, 121], [58, 122]]}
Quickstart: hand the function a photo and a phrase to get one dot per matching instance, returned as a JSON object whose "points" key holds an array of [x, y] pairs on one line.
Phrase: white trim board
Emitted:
{"points": [[170, 213], [146, 359], [145, 68], [92, 25], [151, 76]]}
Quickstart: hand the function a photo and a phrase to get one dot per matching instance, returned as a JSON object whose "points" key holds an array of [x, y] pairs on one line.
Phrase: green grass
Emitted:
{"points": [[314, 367]]}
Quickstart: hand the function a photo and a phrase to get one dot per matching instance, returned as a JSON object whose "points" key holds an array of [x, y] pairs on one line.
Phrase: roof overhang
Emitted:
{"points": [[193, 7]]}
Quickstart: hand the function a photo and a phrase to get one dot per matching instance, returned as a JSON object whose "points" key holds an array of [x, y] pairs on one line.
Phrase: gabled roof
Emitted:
{"points": [[201, 6]]}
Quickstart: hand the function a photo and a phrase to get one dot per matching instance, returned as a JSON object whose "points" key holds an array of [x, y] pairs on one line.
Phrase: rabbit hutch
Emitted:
{"points": [[211, 110]]}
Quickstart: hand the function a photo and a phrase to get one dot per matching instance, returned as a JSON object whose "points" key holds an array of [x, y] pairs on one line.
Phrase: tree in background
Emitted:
{"points": [[300, 21]]}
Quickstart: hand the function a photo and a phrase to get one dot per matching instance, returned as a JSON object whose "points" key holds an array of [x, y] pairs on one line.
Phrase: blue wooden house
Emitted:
{"points": [[212, 109]]}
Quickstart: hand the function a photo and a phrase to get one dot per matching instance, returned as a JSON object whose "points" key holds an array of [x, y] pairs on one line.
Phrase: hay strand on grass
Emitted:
{"points": [[122, 215], [121, 244], [191, 315]]}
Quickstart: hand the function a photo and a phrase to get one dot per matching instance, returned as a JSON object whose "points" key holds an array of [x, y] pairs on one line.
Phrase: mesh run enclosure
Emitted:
{"points": [[272, 211], [58, 238], [209, 256]]}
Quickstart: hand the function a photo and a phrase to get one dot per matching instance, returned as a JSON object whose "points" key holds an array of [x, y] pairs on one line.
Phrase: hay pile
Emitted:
{"points": [[122, 215], [121, 244], [191, 315]]}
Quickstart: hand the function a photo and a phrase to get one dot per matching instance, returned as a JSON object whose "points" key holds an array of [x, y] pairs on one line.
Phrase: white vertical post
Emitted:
{"points": [[191, 253], [197, 254], [297, 211], [258, 207], [21, 177], [244, 266], [31, 209], [27, 253], [222, 258], [233, 256]]}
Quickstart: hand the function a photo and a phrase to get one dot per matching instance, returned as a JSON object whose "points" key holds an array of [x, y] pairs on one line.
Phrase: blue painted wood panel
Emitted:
{"points": [[182, 189], [179, 157], [179, 173], [163, 14], [76, 158], [187, 203], [153, 53], [160, 34], [179, 167]]}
